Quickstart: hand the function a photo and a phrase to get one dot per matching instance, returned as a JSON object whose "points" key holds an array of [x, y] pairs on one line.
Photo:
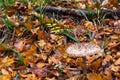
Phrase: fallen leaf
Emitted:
{"points": [[19, 31], [115, 68], [77, 77], [89, 25], [94, 76], [19, 45], [95, 65], [41, 43], [40, 65], [106, 59], [5, 77], [114, 37], [29, 52], [117, 74], [118, 54], [53, 60], [117, 62], [11, 12], [4, 71], [39, 71], [107, 74], [42, 35], [50, 78], [28, 26], [6, 62], [1, 48]]}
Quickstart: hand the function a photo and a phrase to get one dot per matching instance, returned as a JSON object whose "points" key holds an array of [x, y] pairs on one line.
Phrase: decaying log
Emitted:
{"points": [[79, 13]]}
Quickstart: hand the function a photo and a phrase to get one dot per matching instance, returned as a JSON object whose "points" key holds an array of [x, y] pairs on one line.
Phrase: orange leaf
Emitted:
{"points": [[6, 62], [114, 2], [31, 51], [5, 77], [95, 65], [42, 35], [40, 65], [10, 12], [28, 26], [117, 74], [1, 48], [94, 76], [18, 31], [53, 60]]}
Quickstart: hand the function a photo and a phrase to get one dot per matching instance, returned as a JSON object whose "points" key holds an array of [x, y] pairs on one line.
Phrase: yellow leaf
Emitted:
{"points": [[6, 62], [5, 77]]}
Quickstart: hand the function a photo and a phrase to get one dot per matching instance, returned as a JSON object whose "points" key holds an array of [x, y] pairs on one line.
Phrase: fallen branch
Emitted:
{"points": [[79, 13]]}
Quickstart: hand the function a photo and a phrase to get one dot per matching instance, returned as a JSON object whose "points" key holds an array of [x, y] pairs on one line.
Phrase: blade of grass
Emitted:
{"points": [[6, 3], [8, 24], [20, 61], [71, 36], [3, 39], [102, 20], [89, 33], [84, 15], [104, 45]]}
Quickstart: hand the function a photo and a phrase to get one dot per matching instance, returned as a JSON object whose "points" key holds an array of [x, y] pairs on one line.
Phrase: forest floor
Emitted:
{"points": [[33, 43]]}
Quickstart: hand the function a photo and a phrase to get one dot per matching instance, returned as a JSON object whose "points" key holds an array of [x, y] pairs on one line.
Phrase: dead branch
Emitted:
{"points": [[79, 13]]}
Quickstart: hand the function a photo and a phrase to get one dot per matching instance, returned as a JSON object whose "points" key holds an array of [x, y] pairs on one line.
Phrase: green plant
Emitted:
{"points": [[33, 1], [104, 45], [69, 35], [6, 3], [118, 1], [84, 15], [3, 39], [47, 1], [40, 7], [8, 23], [56, 29], [89, 33], [97, 17], [7, 48], [24, 1]]}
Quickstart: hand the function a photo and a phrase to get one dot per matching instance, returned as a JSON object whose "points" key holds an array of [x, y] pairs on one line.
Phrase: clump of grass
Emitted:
{"points": [[96, 16], [8, 24], [6, 3]]}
